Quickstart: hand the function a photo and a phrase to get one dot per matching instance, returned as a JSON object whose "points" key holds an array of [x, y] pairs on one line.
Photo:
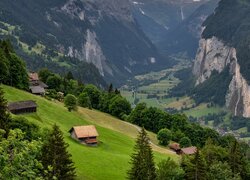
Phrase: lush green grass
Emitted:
{"points": [[203, 110], [110, 160]]}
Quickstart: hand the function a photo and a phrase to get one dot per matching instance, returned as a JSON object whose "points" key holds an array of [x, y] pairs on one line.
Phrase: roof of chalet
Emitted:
{"points": [[37, 90], [33, 76], [189, 150], [21, 105], [175, 146], [84, 131], [38, 83]]}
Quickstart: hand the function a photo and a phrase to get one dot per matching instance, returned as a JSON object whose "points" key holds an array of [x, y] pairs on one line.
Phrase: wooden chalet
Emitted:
{"points": [[22, 107], [188, 151], [36, 86], [85, 134], [33, 77], [37, 90], [175, 147], [183, 151]]}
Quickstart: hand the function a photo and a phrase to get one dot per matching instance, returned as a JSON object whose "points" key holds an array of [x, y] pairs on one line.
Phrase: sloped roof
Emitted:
{"points": [[37, 90], [175, 146], [189, 150], [33, 76], [21, 105], [38, 83], [85, 131]]}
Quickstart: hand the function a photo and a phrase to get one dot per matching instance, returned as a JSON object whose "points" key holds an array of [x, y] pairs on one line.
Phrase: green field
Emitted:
{"points": [[110, 160]]}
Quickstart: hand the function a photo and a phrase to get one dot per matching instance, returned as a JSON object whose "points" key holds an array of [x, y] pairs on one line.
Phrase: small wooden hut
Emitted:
{"points": [[85, 134], [22, 107], [188, 151], [175, 147]]}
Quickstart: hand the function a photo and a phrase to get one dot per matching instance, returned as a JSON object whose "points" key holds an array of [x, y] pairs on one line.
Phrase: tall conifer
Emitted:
{"points": [[236, 160], [196, 168], [55, 158], [142, 161]]}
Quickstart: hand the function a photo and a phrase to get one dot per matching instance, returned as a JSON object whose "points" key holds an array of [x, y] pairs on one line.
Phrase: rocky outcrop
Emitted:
{"points": [[214, 55], [238, 96]]}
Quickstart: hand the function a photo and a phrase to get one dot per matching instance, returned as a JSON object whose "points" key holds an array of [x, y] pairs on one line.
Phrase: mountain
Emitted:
{"points": [[223, 57], [173, 26], [62, 34]]}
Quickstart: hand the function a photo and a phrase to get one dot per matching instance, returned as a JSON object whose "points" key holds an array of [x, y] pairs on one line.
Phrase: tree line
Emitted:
{"points": [[13, 70], [213, 162]]}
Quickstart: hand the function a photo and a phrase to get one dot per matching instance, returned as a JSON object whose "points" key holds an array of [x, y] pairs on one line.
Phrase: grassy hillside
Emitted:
{"points": [[110, 160]]}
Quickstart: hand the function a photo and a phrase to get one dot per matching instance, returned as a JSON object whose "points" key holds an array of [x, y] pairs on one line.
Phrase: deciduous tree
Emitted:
{"points": [[70, 102]]}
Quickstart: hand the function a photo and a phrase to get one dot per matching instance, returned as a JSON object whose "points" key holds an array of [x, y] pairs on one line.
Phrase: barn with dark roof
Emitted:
{"points": [[22, 107]]}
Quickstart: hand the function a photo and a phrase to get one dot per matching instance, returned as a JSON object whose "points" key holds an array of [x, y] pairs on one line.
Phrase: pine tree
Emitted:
{"points": [[4, 115], [55, 158], [236, 158], [110, 90], [195, 170], [142, 161]]}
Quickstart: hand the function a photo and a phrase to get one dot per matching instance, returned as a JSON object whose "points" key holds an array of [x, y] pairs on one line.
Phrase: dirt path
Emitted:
{"points": [[110, 122]]}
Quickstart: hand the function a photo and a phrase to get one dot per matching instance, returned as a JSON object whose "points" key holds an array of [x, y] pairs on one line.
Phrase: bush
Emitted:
{"points": [[84, 100], [185, 142], [164, 136], [70, 102]]}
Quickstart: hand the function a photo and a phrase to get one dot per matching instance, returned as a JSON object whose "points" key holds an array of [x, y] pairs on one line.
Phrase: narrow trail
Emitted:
{"points": [[110, 122], [154, 146]]}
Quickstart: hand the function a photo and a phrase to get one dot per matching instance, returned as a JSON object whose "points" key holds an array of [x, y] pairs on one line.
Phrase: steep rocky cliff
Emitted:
{"points": [[225, 45], [214, 55]]}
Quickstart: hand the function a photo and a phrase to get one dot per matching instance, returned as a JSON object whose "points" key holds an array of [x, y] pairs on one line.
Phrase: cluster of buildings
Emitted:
{"points": [[36, 86]]}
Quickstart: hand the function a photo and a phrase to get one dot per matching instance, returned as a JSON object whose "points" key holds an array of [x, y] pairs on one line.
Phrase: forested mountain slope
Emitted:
{"points": [[65, 34]]}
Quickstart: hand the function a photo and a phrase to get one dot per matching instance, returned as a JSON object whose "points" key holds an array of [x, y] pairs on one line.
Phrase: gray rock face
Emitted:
{"points": [[91, 49], [214, 55], [211, 55]]}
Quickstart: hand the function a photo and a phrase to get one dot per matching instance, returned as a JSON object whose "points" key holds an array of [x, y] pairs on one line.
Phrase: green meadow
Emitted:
{"points": [[110, 160]]}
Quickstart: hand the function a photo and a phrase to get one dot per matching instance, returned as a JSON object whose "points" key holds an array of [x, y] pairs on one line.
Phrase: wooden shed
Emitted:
{"points": [[188, 151], [85, 134], [22, 107], [175, 147]]}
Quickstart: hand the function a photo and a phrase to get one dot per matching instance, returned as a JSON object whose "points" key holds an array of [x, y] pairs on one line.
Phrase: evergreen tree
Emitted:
{"points": [[110, 90], [236, 159], [55, 158], [4, 115], [142, 161], [117, 91], [195, 168], [4, 64], [69, 76]]}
